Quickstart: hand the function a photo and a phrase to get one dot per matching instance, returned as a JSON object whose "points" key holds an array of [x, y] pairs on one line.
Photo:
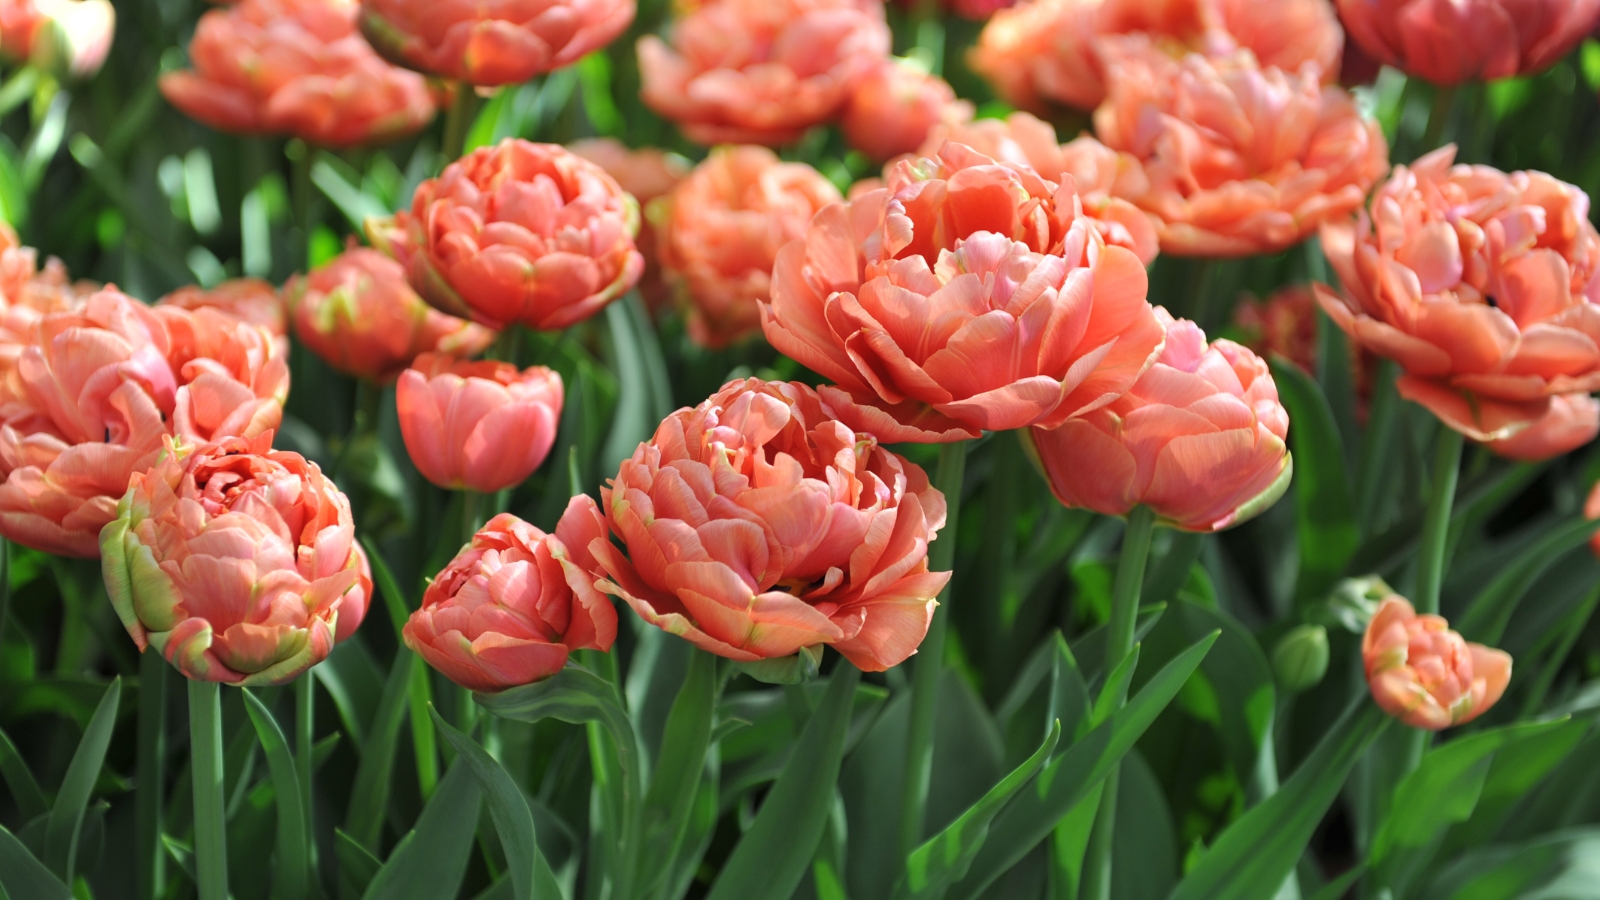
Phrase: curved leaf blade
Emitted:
{"points": [[66, 817], [289, 880], [1323, 493], [24, 876], [431, 860], [369, 796]]}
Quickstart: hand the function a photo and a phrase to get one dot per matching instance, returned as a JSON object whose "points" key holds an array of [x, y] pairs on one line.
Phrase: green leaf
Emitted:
{"points": [[357, 865], [289, 880], [356, 206], [430, 861], [675, 781], [770, 860], [1069, 694], [635, 418], [1258, 851], [944, 858], [1073, 774], [24, 790], [1323, 493], [1555, 866], [1339, 887], [369, 796], [1490, 611], [393, 598], [66, 817], [22, 876], [574, 695]]}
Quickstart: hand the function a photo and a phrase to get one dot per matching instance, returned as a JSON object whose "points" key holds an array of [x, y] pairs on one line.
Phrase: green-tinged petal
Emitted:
{"points": [[119, 586], [1258, 504], [153, 595]]}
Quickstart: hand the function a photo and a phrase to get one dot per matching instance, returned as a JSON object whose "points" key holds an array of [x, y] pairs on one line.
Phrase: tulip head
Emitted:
{"points": [[893, 109], [67, 38], [646, 173], [1452, 42], [1424, 674], [1572, 421], [251, 299]]}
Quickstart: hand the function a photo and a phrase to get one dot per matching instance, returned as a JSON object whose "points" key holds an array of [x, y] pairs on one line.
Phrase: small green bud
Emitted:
{"points": [[1301, 658]]}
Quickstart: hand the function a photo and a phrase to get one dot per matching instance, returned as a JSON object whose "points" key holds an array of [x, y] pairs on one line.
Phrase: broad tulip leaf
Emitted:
{"points": [[644, 391], [369, 796], [24, 789], [675, 781], [1069, 695], [1073, 774], [1555, 866], [1258, 851], [66, 816], [23, 876], [357, 865], [393, 598], [1324, 497], [1491, 609], [289, 880], [1517, 772], [431, 860], [772, 857], [1339, 887]]}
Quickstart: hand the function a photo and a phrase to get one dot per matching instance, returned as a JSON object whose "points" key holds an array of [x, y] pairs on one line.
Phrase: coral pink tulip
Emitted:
{"points": [[1199, 439], [490, 44], [478, 426], [1448, 42], [646, 173], [1482, 285], [68, 38], [299, 68], [251, 299], [1591, 511], [518, 232], [721, 229], [100, 386], [1424, 674], [893, 109], [1238, 159], [965, 295], [1049, 50], [514, 603], [1572, 421], [757, 525], [761, 71], [237, 562], [358, 313]]}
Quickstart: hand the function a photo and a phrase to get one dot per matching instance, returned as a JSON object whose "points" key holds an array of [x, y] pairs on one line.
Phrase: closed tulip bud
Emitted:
{"points": [[514, 603], [235, 561], [1448, 42], [1301, 658], [1424, 674], [478, 426], [358, 313]]}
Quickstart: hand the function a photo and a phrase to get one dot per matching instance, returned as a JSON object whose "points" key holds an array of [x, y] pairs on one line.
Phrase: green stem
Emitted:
{"points": [[471, 513], [1119, 643], [150, 861], [930, 657], [205, 761], [304, 724], [459, 121], [1444, 101], [1377, 449], [1436, 527], [505, 346], [301, 198]]}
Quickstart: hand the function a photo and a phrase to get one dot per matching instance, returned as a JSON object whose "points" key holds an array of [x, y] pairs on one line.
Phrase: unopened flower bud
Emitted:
{"points": [[1301, 658]]}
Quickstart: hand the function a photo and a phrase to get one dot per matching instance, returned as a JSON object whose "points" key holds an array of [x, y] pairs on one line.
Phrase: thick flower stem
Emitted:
{"points": [[304, 724], [1436, 527], [205, 761], [930, 656], [459, 120], [1119, 643], [150, 864]]}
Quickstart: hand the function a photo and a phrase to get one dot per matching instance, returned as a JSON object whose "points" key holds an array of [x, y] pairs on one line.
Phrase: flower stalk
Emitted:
{"points": [[205, 761]]}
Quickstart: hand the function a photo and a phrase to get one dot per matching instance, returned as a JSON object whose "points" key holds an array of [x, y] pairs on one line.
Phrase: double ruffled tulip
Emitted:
{"points": [[721, 229], [478, 426], [965, 295], [251, 299], [646, 173], [1481, 284], [68, 38], [1572, 421], [358, 313], [518, 232], [1448, 42], [1049, 50], [757, 525], [513, 604], [491, 44], [237, 562], [893, 109], [1424, 674], [1199, 440], [99, 387], [761, 71], [298, 68], [1239, 159]]}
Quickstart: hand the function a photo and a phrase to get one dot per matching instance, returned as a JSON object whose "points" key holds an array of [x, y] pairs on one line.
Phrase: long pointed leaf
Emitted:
{"points": [[676, 779], [289, 879], [66, 817], [1323, 493], [24, 789], [24, 876], [393, 598], [432, 859], [369, 796]]}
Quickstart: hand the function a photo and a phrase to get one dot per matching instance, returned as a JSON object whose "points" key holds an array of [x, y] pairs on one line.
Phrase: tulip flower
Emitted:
{"points": [[1572, 421], [966, 294], [1481, 284], [1199, 439], [298, 68], [478, 426], [67, 38], [1591, 511], [100, 386], [646, 173], [1239, 159], [517, 232], [721, 229], [491, 44], [514, 603], [1449, 42], [761, 71], [237, 562], [893, 109], [757, 525], [1049, 50], [1424, 674], [358, 313], [251, 299]]}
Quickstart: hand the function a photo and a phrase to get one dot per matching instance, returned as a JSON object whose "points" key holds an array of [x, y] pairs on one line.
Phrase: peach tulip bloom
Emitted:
{"points": [[1238, 159], [478, 426], [517, 232], [100, 386], [965, 295], [646, 173], [761, 71], [1448, 42], [67, 38], [250, 299], [721, 229], [1481, 284], [757, 525], [1099, 173], [514, 603], [358, 313], [893, 109], [239, 563], [1199, 439], [1048, 50], [490, 44], [1591, 511], [298, 68], [1424, 674], [1572, 421]]}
